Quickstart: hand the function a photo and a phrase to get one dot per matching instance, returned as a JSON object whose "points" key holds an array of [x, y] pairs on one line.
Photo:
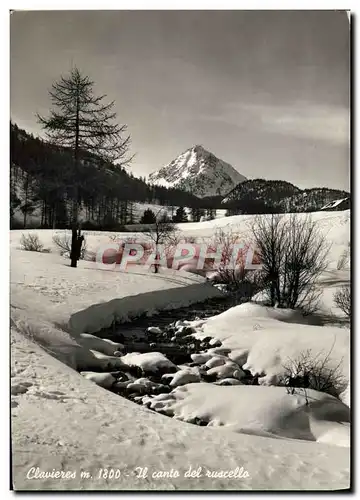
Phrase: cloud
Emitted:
{"points": [[304, 120]]}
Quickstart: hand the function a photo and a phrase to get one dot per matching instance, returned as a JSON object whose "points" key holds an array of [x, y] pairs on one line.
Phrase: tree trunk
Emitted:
{"points": [[74, 247], [74, 257], [157, 256]]}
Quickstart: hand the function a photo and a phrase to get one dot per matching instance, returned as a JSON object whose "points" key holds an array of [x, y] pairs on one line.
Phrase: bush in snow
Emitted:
{"points": [[318, 372], [240, 282], [343, 261], [31, 243], [293, 255], [342, 299], [63, 241]]}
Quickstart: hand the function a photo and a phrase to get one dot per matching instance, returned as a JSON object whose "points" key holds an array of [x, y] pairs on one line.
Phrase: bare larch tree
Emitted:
{"points": [[82, 123]]}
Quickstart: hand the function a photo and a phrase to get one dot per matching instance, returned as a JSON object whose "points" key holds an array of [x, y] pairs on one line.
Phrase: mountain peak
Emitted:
{"points": [[198, 171], [198, 148]]}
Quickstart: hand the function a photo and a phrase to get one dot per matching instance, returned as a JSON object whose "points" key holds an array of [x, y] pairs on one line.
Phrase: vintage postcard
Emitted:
{"points": [[180, 291]]}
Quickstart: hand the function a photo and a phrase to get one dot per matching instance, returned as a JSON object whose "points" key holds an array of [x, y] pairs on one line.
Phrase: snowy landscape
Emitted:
{"points": [[180, 251], [62, 420]]}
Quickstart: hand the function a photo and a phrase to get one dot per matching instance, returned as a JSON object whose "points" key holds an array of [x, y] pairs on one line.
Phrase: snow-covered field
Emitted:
{"points": [[63, 421], [334, 225]]}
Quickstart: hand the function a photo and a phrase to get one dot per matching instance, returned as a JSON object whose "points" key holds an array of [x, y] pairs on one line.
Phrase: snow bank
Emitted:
{"points": [[262, 340], [99, 316], [263, 411]]}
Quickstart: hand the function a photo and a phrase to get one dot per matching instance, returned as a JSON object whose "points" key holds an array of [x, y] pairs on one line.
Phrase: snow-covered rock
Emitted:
{"points": [[228, 381], [221, 351], [105, 346], [154, 329], [141, 385], [227, 370], [148, 361], [186, 376], [215, 342], [182, 331], [216, 361], [167, 376], [160, 397], [201, 358], [106, 361], [239, 356], [105, 380]]}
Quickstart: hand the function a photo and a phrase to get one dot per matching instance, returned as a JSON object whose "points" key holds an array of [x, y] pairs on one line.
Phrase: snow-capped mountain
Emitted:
{"points": [[199, 172]]}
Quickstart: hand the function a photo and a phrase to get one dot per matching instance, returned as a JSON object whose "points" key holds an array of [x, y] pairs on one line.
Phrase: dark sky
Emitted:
{"points": [[267, 91]]}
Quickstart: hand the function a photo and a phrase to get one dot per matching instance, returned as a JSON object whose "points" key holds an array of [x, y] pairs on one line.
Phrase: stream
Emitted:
{"points": [[136, 337], [169, 333]]}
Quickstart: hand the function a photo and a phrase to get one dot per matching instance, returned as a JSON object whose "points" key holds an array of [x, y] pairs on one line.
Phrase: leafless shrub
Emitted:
{"points": [[240, 282], [63, 242], [343, 261], [162, 232], [318, 372], [310, 300], [31, 243], [293, 255], [342, 299]]}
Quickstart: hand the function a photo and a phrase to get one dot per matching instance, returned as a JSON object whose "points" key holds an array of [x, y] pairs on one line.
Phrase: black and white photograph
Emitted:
{"points": [[180, 250]]}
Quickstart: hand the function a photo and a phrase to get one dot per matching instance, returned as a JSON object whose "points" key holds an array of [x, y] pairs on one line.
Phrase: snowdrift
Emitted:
{"points": [[268, 338], [263, 411]]}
